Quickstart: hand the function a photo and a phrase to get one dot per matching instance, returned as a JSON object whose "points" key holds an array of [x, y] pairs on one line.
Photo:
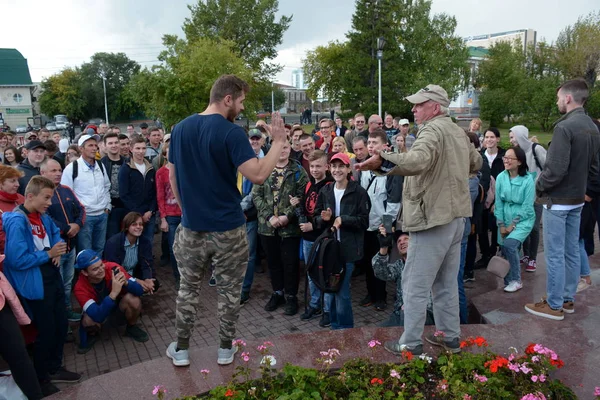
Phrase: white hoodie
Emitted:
{"points": [[522, 136]]}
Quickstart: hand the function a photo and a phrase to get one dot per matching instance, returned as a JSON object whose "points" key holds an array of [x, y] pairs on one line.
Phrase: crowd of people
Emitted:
{"points": [[411, 205]]}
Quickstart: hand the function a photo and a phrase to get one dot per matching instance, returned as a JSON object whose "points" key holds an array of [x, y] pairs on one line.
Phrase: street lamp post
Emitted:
{"points": [[380, 44], [105, 103]]}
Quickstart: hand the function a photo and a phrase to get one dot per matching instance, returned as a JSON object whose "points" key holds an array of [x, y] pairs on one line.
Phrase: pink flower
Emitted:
{"points": [[534, 396], [439, 334], [239, 342], [205, 371], [535, 359], [245, 356], [525, 369], [597, 391], [262, 347], [394, 374], [159, 389], [534, 378], [374, 343], [267, 343], [513, 367], [481, 378], [467, 397]]}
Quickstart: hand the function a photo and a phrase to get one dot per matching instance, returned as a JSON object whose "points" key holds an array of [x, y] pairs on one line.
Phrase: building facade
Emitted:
{"points": [[16, 100], [528, 37], [295, 99]]}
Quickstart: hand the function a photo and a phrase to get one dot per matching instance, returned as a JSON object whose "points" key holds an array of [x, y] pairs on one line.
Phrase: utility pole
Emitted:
{"points": [[105, 103]]}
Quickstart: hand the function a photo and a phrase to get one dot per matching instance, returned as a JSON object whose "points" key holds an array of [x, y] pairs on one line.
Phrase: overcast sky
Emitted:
{"points": [[58, 33]]}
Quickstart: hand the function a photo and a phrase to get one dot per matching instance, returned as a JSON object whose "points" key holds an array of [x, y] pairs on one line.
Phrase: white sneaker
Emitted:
{"points": [[180, 358], [513, 286], [225, 356], [582, 285]]}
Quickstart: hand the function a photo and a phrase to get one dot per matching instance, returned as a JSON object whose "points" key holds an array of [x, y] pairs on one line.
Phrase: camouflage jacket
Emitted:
{"points": [[294, 184], [393, 272]]}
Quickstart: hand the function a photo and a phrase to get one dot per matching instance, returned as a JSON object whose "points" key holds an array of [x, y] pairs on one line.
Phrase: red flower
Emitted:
{"points": [[229, 393], [529, 349], [407, 355], [557, 363], [496, 363], [376, 381], [480, 341]]}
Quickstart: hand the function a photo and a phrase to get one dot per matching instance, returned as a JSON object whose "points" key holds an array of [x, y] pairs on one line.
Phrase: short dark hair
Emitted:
{"points": [[136, 139], [474, 139], [153, 129], [228, 85], [110, 135], [577, 88], [359, 139], [305, 136], [129, 219], [50, 146], [379, 134], [520, 154], [131, 125], [495, 131], [297, 128], [122, 136]]}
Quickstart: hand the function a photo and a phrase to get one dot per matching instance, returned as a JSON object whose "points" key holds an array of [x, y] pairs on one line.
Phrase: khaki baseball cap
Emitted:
{"points": [[430, 92]]}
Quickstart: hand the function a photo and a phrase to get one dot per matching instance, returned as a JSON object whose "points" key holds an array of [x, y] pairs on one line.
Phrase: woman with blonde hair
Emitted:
{"points": [[339, 146]]}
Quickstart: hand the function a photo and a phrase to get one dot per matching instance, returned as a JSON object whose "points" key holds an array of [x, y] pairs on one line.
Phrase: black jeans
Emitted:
{"points": [[50, 320], [283, 257], [470, 256], [531, 244], [13, 351], [488, 223], [375, 287]]}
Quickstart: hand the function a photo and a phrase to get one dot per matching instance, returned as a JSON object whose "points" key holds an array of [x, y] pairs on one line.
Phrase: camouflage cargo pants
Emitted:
{"points": [[195, 251]]}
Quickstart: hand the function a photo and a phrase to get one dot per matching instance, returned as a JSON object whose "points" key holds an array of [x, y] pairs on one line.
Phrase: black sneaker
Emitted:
{"points": [[396, 348], [64, 376], [309, 313], [366, 302], [48, 388], [325, 320], [244, 298], [213, 281], [275, 301], [452, 346], [468, 278], [136, 333], [380, 306], [291, 306], [91, 340]]}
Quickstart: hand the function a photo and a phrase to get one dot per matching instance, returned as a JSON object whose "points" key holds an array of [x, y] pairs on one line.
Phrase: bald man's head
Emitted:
{"points": [[52, 170], [375, 122]]}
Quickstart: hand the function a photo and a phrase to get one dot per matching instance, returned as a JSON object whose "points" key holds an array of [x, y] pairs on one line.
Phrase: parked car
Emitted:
{"points": [[21, 129], [95, 121], [51, 126], [35, 127], [61, 121]]}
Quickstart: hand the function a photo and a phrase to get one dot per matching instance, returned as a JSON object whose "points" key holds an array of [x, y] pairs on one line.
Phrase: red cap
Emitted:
{"points": [[342, 157]]}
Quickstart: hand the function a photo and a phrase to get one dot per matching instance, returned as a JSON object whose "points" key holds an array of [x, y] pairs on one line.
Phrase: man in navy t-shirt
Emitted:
{"points": [[206, 151]]}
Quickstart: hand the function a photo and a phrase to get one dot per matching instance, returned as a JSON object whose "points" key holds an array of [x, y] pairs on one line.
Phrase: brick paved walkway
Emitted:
{"points": [[114, 351]]}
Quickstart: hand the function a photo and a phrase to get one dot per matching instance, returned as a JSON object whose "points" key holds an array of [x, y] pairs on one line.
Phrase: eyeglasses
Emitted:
{"points": [[378, 123], [359, 122], [325, 127], [509, 158]]}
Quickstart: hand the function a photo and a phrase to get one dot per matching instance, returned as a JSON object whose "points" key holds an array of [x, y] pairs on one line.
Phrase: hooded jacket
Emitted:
{"points": [[514, 205], [521, 134], [29, 171], [137, 191], [22, 264], [572, 158]]}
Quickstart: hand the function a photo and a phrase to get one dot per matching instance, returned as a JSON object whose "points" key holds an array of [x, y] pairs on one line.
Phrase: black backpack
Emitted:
{"points": [[76, 169], [325, 265]]}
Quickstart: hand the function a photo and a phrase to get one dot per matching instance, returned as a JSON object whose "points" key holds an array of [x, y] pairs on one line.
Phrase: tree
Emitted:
{"points": [[181, 85], [249, 24], [420, 50], [579, 49], [62, 94], [118, 70], [278, 100]]}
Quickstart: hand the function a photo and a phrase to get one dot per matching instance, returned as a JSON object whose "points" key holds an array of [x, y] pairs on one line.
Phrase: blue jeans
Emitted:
{"points": [[115, 218], [67, 272], [585, 262], [340, 303], [93, 233], [173, 224], [252, 235], [561, 248], [315, 292], [462, 296], [149, 228], [510, 251]]}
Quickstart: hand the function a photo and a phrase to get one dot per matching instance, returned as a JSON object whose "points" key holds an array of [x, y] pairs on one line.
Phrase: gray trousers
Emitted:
{"points": [[432, 265]]}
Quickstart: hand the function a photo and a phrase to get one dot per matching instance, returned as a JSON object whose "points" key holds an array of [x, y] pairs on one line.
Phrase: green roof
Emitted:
{"points": [[478, 52], [13, 68]]}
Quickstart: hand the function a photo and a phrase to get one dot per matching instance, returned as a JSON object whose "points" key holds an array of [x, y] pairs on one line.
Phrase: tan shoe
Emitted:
{"points": [[583, 284], [543, 309]]}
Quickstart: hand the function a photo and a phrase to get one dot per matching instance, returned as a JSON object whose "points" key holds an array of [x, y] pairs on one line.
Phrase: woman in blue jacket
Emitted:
{"points": [[131, 250], [515, 215]]}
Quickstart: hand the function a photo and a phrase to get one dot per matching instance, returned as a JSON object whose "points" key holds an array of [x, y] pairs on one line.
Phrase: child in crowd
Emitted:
{"points": [[344, 207]]}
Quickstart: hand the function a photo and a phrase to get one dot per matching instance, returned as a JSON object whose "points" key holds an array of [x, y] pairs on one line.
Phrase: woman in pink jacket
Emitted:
{"points": [[12, 345]]}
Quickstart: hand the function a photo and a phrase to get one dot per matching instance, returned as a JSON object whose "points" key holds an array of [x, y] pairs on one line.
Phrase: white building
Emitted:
{"points": [[16, 104], [526, 36], [298, 79]]}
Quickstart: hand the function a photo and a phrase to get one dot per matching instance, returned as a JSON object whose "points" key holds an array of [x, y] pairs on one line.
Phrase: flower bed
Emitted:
{"points": [[475, 373]]}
